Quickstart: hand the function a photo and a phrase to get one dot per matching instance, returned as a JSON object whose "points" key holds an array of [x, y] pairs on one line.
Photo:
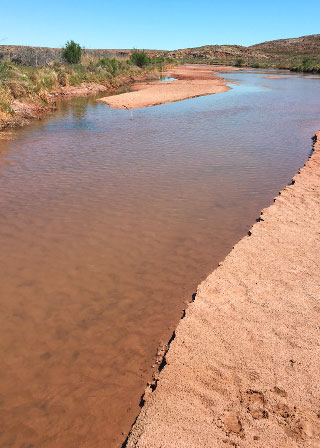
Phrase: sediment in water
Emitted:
{"points": [[242, 367]]}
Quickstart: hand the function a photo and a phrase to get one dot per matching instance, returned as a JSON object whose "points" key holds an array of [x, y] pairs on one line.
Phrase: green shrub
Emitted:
{"points": [[72, 52], [306, 62], [239, 62], [306, 65], [157, 60], [140, 58], [110, 64]]}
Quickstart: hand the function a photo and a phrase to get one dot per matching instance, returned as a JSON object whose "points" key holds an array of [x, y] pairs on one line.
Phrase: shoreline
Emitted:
{"points": [[190, 82], [193, 81], [241, 367], [27, 111]]}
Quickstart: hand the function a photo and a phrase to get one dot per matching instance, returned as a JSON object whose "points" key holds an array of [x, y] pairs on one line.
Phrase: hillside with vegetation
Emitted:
{"points": [[300, 54], [283, 53]]}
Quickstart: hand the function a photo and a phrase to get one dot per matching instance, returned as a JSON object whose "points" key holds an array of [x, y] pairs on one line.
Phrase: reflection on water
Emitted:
{"points": [[108, 224]]}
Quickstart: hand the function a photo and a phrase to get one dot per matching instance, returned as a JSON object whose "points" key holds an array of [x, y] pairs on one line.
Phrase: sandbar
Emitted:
{"points": [[190, 82], [275, 77]]}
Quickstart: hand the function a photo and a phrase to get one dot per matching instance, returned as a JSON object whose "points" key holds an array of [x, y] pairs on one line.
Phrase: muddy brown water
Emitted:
{"points": [[108, 222]]}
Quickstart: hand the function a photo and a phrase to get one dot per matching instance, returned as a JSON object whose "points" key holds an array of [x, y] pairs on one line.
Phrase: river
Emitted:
{"points": [[109, 220]]}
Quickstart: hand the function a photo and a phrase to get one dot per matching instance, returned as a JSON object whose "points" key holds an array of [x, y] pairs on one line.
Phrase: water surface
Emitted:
{"points": [[108, 222], [164, 78]]}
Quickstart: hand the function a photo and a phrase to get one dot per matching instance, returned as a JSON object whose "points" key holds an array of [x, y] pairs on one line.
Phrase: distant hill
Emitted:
{"points": [[224, 52], [284, 53], [298, 45], [301, 53]]}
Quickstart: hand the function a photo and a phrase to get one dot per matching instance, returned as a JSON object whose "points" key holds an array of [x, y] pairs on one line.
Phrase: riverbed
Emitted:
{"points": [[109, 221]]}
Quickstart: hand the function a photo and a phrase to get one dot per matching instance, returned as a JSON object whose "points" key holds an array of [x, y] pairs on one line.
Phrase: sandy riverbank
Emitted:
{"points": [[192, 81], [243, 367]]}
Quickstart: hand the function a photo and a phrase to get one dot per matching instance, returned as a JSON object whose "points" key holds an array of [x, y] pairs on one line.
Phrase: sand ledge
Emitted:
{"points": [[242, 367], [191, 82]]}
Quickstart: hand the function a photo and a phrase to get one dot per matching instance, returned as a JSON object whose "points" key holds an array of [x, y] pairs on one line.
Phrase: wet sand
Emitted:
{"points": [[191, 82], [243, 367], [275, 77]]}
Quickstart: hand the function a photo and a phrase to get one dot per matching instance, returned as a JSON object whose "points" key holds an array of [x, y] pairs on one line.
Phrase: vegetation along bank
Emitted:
{"points": [[30, 92]]}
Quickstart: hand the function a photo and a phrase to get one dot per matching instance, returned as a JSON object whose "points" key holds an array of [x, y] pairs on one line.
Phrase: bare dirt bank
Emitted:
{"points": [[243, 367], [191, 82]]}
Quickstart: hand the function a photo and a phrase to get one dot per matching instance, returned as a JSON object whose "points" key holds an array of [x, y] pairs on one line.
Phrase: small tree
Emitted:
{"points": [[72, 52], [139, 58], [239, 62]]}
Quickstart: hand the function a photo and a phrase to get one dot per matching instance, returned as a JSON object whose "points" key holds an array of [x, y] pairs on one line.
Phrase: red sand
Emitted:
{"points": [[275, 77], [192, 81]]}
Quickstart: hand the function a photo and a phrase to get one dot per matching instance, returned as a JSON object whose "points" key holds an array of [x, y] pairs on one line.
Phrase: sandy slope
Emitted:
{"points": [[192, 81], [243, 369]]}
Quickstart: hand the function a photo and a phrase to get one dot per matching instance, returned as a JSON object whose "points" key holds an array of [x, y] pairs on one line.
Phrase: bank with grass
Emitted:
{"points": [[30, 92]]}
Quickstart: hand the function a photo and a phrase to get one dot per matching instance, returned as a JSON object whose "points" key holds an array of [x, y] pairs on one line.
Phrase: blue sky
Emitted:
{"points": [[159, 25]]}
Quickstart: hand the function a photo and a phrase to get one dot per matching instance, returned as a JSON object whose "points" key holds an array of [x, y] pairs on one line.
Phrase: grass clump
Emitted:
{"points": [[111, 65]]}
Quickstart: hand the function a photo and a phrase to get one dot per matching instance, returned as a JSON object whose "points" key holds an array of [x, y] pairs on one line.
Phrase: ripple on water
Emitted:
{"points": [[108, 224]]}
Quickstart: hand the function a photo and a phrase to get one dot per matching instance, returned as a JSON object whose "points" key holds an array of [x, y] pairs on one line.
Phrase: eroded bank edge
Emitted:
{"points": [[163, 349]]}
